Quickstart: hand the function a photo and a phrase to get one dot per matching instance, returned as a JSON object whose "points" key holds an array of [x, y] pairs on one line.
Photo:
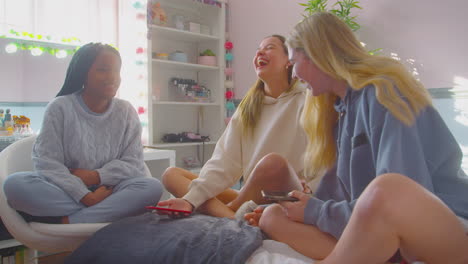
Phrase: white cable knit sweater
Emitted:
{"points": [[72, 136]]}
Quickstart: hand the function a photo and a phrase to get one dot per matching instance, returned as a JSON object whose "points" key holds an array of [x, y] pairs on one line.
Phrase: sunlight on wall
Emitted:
{"points": [[410, 63], [133, 44], [461, 113], [461, 108]]}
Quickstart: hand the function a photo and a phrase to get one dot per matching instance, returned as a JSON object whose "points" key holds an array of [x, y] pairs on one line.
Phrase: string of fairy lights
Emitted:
{"points": [[38, 44]]}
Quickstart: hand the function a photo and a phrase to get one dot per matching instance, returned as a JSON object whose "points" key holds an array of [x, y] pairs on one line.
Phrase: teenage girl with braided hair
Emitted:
{"points": [[88, 157]]}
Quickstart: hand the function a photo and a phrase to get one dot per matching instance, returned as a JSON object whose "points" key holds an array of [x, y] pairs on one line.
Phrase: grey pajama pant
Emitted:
{"points": [[34, 194]]}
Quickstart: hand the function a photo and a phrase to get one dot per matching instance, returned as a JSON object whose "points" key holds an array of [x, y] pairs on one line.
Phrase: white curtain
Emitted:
{"points": [[88, 20]]}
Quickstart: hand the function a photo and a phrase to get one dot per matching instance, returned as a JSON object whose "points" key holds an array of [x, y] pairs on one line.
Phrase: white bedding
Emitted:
{"points": [[273, 252]]}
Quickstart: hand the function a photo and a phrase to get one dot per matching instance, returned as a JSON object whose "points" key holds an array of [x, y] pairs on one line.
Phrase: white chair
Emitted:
{"points": [[49, 238]]}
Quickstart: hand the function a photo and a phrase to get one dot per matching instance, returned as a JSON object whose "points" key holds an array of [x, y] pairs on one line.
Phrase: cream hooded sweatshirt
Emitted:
{"points": [[236, 155]]}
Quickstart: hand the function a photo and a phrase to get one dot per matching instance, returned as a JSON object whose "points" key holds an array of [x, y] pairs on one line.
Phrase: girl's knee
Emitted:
{"points": [[390, 180], [170, 176], [273, 161], [270, 166], [378, 198], [154, 188], [15, 184], [272, 218]]}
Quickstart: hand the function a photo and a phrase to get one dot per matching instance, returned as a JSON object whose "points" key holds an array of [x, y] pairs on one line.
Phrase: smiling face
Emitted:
{"points": [[306, 71], [103, 78], [271, 59]]}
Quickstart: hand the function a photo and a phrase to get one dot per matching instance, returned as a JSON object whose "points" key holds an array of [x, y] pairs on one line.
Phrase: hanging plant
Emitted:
{"points": [[38, 37]]}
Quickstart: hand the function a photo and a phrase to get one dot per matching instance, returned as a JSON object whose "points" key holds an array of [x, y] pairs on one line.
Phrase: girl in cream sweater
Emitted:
{"points": [[267, 121]]}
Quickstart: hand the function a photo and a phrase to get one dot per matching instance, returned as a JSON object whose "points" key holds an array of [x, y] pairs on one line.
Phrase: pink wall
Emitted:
{"points": [[250, 22], [431, 33]]}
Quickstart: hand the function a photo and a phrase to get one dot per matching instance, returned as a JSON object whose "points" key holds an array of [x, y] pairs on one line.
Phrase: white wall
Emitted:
{"points": [[251, 21], [26, 78], [430, 32]]}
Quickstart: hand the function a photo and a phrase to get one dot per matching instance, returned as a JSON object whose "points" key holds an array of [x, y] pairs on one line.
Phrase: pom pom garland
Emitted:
{"points": [[228, 45], [229, 56], [229, 84], [229, 71], [229, 95]]}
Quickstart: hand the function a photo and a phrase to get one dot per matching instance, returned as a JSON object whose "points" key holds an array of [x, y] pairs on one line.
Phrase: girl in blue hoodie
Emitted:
{"points": [[389, 168]]}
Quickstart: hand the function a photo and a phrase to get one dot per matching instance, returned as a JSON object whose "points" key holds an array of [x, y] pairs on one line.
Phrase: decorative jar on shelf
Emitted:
{"points": [[178, 56]]}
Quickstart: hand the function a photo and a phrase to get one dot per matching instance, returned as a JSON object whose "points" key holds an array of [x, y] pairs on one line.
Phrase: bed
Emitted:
{"points": [[273, 252], [151, 238]]}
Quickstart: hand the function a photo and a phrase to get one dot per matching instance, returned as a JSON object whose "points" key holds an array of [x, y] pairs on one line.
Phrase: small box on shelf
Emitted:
{"points": [[204, 29], [194, 27]]}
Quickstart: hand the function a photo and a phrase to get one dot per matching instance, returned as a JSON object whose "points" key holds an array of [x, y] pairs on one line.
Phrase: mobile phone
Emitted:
{"points": [[167, 210], [278, 196]]}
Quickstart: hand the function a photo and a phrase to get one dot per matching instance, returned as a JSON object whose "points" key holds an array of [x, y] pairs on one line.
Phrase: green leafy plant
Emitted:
{"points": [[207, 52], [315, 6], [342, 9]]}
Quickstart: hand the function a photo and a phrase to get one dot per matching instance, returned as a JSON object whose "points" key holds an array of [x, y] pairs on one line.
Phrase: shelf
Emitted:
{"points": [[184, 144], [169, 111], [190, 6], [184, 103], [9, 243], [183, 65], [150, 153], [181, 35]]}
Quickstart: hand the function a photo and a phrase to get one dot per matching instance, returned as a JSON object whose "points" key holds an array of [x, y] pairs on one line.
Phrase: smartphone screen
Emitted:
{"points": [[278, 196], [164, 209]]}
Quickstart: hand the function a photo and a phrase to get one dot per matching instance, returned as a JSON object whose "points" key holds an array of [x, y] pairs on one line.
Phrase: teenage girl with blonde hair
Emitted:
{"points": [[390, 170], [267, 120]]}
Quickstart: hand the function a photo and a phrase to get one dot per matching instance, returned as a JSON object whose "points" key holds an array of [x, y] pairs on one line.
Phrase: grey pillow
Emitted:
{"points": [[151, 238]]}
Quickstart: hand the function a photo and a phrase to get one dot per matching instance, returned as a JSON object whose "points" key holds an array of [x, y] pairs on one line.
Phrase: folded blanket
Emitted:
{"points": [[151, 238]]}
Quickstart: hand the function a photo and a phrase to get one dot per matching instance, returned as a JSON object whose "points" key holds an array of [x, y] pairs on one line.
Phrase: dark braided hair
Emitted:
{"points": [[79, 66]]}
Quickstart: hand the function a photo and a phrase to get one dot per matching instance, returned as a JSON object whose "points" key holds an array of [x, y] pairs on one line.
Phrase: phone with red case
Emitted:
{"points": [[167, 210]]}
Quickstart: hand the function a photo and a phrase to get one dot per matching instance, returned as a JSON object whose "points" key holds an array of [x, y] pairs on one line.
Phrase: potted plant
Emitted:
{"points": [[207, 57], [342, 9], [343, 12]]}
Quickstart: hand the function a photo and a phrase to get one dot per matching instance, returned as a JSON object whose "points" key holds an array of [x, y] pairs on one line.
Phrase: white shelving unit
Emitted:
{"points": [[9, 243], [169, 113], [30, 255]]}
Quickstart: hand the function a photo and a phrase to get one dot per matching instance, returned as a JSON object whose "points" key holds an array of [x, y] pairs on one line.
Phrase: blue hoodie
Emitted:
{"points": [[372, 142]]}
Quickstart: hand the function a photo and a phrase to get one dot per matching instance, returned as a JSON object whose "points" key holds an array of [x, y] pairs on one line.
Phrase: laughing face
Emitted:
{"points": [[103, 79], [307, 72], [271, 59]]}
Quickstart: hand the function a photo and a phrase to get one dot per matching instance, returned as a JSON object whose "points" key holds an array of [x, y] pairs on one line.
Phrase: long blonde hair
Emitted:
{"points": [[333, 48], [250, 108]]}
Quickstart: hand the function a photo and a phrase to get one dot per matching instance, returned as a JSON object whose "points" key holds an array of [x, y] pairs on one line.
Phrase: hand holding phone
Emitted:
{"points": [[275, 196], [174, 213]]}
